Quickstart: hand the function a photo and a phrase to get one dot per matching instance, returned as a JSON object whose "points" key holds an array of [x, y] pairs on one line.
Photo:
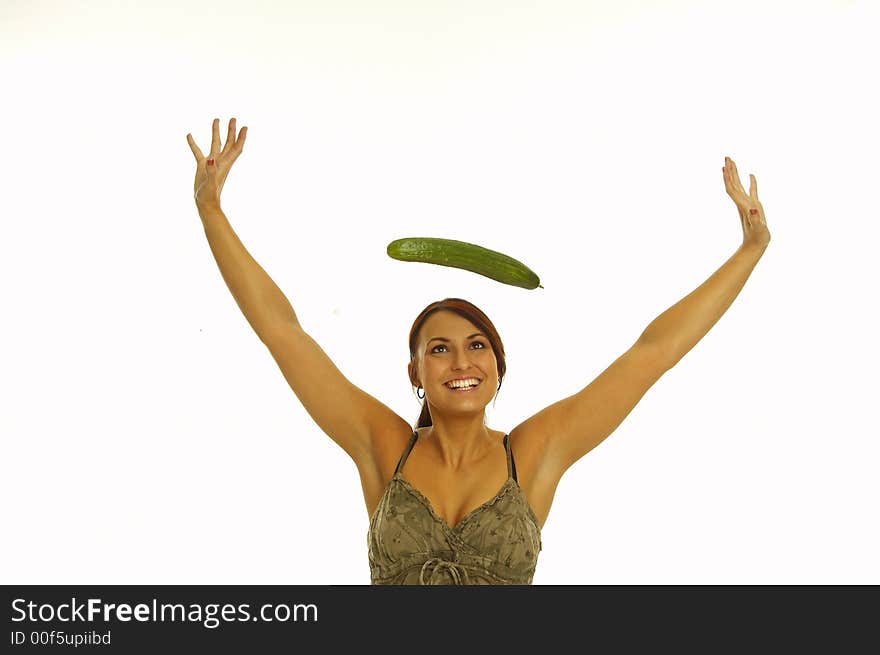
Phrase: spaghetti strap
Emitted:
{"points": [[412, 441], [511, 465]]}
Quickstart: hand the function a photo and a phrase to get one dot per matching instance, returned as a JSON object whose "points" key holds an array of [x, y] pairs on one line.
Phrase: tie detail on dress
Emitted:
{"points": [[435, 566]]}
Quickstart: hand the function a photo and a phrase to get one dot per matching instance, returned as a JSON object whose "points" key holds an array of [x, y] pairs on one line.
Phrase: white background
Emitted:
{"points": [[149, 437]]}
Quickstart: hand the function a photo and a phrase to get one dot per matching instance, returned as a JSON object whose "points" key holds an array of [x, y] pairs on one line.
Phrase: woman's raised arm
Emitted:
{"points": [[259, 298], [556, 437], [348, 415]]}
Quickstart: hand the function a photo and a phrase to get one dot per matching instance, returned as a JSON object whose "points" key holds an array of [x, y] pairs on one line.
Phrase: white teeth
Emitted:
{"points": [[463, 384]]}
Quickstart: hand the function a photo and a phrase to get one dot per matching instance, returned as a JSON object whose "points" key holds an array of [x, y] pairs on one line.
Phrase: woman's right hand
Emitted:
{"points": [[211, 172]]}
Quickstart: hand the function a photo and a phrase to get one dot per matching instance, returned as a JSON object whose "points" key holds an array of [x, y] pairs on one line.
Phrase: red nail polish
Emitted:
{"points": [[753, 211]]}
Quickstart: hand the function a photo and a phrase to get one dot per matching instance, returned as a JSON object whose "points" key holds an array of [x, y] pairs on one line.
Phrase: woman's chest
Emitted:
{"points": [[405, 526], [451, 498]]}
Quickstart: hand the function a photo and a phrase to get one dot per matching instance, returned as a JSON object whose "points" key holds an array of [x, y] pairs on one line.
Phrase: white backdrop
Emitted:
{"points": [[149, 437]]}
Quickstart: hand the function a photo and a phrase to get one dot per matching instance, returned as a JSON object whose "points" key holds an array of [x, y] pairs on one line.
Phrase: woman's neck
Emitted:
{"points": [[459, 440]]}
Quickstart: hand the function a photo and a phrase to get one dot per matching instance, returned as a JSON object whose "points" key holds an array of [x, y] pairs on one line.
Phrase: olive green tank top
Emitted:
{"points": [[496, 543]]}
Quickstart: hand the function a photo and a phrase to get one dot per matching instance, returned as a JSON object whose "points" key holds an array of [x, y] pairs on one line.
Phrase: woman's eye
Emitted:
{"points": [[475, 343]]}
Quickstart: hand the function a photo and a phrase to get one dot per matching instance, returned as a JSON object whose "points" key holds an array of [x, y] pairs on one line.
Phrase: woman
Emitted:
{"points": [[453, 501]]}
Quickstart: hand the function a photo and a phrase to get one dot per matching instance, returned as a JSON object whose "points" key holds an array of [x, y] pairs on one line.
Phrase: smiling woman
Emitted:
{"points": [[457, 355], [452, 501]]}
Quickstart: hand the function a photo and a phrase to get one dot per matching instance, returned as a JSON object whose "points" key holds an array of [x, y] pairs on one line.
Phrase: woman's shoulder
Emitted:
{"points": [[528, 447], [389, 446]]}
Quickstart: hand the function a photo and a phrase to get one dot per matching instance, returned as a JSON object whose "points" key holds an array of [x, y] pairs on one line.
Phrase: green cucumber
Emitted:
{"points": [[467, 256]]}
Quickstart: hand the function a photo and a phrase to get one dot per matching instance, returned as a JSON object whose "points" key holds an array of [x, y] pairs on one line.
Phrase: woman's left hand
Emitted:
{"points": [[751, 213]]}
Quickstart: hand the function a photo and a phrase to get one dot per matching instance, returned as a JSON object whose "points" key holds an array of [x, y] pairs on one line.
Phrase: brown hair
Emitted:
{"points": [[473, 314]]}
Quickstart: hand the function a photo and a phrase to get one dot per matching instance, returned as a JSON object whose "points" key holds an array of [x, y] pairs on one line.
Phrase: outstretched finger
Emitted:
{"points": [[195, 149], [215, 138], [753, 188], [729, 183], [734, 174], [230, 136]]}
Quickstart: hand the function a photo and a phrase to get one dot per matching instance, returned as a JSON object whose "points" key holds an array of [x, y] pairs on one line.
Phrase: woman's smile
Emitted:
{"points": [[463, 385]]}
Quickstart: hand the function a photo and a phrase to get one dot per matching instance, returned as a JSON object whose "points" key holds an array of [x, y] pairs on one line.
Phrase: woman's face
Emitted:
{"points": [[451, 348]]}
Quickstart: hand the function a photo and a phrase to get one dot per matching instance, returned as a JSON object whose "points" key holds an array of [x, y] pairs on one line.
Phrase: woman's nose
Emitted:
{"points": [[461, 359]]}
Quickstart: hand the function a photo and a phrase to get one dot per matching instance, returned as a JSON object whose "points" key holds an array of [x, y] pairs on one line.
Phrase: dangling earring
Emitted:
{"points": [[423, 392]]}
